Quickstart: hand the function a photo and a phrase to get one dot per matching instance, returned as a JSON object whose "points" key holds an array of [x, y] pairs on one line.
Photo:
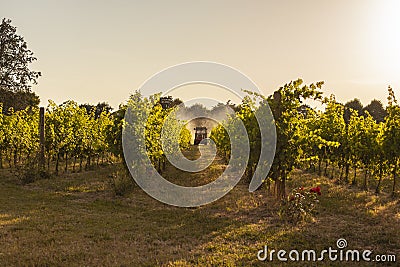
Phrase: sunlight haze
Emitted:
{"points": [[95, 51]]}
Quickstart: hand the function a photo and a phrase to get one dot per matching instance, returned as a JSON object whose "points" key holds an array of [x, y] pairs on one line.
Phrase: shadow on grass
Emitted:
{"points": [[65, 221]]}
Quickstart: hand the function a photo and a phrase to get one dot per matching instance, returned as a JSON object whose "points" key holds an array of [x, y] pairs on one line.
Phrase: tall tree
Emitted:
{"points": [[15, 58], [376, 109], [15, 76]]}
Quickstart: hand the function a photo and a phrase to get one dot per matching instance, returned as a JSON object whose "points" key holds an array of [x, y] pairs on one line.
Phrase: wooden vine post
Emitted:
{"points": [[41, 139]]}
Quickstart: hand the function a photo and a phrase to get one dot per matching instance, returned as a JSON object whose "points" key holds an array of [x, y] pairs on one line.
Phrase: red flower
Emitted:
{"points": [[316, 190]]}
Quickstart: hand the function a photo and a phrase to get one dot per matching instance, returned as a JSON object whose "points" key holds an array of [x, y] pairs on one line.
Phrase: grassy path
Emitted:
{"points": [[76, 220]]}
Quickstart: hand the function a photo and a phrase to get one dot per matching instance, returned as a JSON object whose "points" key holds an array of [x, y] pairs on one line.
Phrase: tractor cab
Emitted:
{"points": [[199, 134]]}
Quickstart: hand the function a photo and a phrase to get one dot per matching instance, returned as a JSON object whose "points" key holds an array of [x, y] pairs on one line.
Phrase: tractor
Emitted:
{"points": [[199, 134]]}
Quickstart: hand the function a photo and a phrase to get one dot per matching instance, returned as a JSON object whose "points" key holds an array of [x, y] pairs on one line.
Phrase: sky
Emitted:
{"points": [[95, 51]]}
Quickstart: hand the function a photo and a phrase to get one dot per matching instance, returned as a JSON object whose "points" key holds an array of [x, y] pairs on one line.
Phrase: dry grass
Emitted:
{"points": [[76, 220]]}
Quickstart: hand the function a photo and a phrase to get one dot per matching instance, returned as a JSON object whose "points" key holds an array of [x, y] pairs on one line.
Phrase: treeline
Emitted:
{"points": [[331, 142]]}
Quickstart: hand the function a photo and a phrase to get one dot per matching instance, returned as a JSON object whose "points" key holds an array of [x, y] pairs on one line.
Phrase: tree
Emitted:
{"points": [[98, 109], [197, 110], [376, 110], [176, 102], [15, 58], [18, 100], [234, 107], [354, 104]]}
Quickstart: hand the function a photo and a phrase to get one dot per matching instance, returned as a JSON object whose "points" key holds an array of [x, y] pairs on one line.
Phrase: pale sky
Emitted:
{"points": [[92, 51]]}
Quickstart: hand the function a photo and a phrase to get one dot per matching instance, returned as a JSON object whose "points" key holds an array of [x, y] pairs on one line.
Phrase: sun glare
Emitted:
{"points": [[385, 28]]}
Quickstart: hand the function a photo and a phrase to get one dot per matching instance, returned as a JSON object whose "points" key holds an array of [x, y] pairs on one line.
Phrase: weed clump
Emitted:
{"points": [[121, 182], [29, 171]]}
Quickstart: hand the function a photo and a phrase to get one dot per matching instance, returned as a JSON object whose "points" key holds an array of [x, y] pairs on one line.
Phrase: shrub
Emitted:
{"points": [[121, 182], [300, 205], [29, 171]]}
